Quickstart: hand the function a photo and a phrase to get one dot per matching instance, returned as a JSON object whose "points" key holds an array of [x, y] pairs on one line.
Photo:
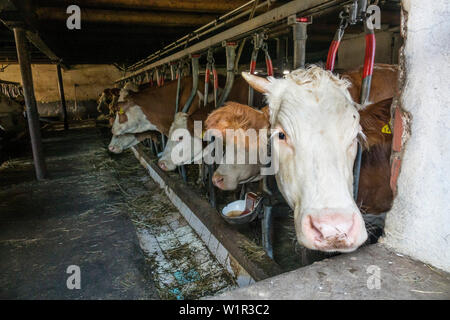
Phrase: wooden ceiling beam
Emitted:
{"points": [[206, 6], [167, 19]]}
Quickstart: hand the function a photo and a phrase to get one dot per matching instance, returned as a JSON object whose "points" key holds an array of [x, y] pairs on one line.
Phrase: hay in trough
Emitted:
{"points": [[252, 250]]}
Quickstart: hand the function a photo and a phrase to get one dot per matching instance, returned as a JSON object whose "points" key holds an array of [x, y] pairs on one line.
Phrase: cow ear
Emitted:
{"points": [[258, 83]]}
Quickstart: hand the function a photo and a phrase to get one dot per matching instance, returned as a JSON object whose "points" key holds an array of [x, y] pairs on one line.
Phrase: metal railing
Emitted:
{"points": [[238, 32]]}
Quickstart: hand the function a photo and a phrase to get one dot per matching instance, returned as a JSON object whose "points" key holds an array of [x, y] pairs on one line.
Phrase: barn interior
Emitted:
{"points": [[136, 231]]}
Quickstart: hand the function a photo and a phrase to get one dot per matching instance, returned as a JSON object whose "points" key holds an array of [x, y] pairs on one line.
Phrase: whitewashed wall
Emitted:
{"points": [[419, 223]]}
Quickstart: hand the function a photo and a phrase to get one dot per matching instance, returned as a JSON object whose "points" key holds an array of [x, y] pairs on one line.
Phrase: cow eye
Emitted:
{"points": [[180, 138], [281, 136]]}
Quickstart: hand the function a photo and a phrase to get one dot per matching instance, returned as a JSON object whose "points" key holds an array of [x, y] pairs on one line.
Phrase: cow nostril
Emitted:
{"points": [[162, 165], [217, 179], [332, 227]]}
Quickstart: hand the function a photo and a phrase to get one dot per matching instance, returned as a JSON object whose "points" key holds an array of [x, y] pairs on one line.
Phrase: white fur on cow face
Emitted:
{"points": [[120, 143], [229, 175], [136, 122], [181, 147], [319, 123]]}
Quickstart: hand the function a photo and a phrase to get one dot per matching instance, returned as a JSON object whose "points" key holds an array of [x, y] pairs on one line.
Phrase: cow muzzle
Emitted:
{"points": [[218, 180], [166, 165], [332, 230], [115, 149]]}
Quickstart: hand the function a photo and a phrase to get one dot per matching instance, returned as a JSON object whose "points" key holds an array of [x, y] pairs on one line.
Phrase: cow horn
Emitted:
{"points": [[258, 83]]}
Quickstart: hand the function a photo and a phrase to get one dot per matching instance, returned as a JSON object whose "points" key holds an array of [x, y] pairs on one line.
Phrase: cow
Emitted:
{"points": [[237, 116], [234, 116], [318, 127], [177, 137], [238, 93], [152, 108], [125, 141], [108, 97]]}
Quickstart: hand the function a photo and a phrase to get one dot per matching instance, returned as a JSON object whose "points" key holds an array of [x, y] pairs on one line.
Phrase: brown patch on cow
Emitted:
{"points": [[384, 82], [123, 117], [374, 194], [373, 118], [237, 116]]}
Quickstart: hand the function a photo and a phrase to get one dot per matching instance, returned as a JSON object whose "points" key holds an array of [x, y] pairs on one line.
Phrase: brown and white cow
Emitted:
{"points": [[235, 116], [108, 98], [318, 126], [178, 134], [152, 108], [181, 134], [125, 141]]}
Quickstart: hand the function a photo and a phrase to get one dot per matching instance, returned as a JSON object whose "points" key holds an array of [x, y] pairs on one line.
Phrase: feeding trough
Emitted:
{"points": [[242, 211]]}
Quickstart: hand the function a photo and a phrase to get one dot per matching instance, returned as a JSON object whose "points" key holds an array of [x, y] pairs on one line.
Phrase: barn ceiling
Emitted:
{"points": [[125, 31]]}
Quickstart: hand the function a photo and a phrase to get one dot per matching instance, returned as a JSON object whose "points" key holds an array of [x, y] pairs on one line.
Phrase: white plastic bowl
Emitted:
{"points": [[238, 205]]}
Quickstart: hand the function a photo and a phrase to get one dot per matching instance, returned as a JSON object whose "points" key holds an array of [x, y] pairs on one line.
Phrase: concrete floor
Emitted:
{"points": [[372, 272], [47, 226], [103, 213]]}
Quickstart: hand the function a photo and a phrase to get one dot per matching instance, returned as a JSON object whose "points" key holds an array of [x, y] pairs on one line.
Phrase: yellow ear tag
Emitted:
{"points": [[121, 111], [203, 134], [386, 129]]}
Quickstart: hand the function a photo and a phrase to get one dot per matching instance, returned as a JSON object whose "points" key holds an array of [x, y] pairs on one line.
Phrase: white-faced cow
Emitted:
{"points": [[125, 141], [236, 116], [318, 126]]}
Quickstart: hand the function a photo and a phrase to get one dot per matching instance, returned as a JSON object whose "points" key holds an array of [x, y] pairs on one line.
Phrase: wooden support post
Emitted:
{"points": [[63, 98], [30, 101]]}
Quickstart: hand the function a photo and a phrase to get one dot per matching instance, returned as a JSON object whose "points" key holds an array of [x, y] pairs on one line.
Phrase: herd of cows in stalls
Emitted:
{"points": [[318, 120]]}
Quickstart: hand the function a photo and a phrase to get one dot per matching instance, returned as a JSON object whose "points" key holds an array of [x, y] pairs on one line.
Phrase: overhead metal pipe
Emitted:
{"points": [[203, 30], [307, 7], [23, 55], [63, 98]]}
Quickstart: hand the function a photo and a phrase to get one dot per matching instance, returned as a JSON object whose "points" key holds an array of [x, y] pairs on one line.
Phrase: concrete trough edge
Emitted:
{"points": [[221, 239]]}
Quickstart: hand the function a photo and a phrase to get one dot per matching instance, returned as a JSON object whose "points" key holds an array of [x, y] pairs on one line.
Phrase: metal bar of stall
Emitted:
{"points": [[369, 60], [23, 55], [195, 72], [257, 41], [63, 98]]}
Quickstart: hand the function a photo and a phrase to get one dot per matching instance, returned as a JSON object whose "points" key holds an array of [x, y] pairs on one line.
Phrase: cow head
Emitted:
{"points": [[120, 143], [130, 119], [229, 175], [182, 145], [237, 117], [317, 125]]}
